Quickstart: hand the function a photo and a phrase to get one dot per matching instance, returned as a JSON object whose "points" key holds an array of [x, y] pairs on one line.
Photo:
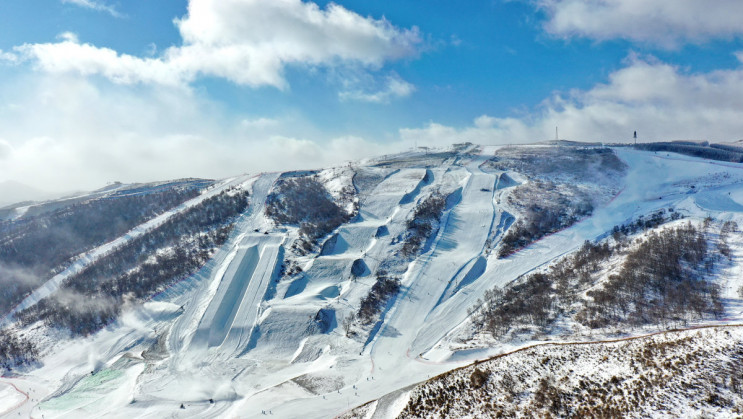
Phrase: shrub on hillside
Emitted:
{"points": [[93, 298], [718, 152], [304, 202], [548, 208], [529, 301], [379, 294], [425, 220], [579, 164], [663, 280], [38, 247], [15, 351]]}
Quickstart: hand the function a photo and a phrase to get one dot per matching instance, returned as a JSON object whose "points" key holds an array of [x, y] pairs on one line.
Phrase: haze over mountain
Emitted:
{"points": [[12, 192]]}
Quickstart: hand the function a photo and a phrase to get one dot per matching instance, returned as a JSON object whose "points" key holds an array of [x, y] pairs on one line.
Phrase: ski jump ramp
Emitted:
{"points": [[232, 313]]}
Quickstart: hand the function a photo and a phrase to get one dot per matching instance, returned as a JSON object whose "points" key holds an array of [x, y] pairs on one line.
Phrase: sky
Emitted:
{"points": [[96, 91]]}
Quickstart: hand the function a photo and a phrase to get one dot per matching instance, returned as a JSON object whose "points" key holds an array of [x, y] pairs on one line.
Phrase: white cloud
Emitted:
{"points": [[69, 133], [332, 152], [259, 123], [498, 131], [69, 37], [660, 101], [249, 42], [69, 56], [662, 22], [8, 57], [393, 87], [5, 149], [95, 5]]}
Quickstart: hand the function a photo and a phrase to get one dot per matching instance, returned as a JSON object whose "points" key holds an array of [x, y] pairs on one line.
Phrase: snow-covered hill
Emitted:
{"points": [[338, 287], [689, 373]]}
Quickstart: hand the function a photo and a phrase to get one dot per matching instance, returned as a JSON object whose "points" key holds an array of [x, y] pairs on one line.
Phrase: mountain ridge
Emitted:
{"points": [[417, 240]]}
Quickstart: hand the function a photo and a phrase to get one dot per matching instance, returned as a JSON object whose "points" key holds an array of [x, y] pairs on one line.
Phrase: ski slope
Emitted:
{"points": [[215, 302], [236, 340], [232, 313], [52, 285], [462, 238]]}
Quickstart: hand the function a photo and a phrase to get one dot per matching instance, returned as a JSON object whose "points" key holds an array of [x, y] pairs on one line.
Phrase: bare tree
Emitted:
{"points": [[348, 323]]}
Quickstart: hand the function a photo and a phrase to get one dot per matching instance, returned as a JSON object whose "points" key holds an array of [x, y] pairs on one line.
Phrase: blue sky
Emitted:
{"points": [[93, 91]]}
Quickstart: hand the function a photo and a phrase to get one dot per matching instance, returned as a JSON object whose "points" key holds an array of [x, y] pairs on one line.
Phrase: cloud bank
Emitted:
{"points": [[69, 133], [659, 100], [666, 23], [249, 42]]}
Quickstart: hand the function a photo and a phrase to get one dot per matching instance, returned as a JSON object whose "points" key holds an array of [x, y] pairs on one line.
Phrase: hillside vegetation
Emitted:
{"points": [[305, 203], [424, 223], [34, 248], [664, 278], [564, 185], [94, 297], [722, 152], [15, 351], [695, 373]]}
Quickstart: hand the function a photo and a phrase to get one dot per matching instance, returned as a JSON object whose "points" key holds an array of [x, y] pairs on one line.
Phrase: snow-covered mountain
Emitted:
{"points": [[308, 294]]}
